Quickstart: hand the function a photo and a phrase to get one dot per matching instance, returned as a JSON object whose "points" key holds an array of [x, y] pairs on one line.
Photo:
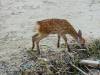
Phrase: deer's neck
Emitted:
{"points": [[74, 34]]}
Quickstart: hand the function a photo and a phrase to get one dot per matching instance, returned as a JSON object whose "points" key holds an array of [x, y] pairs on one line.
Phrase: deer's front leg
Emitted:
{"points": [[58, 42], [66, 43]]}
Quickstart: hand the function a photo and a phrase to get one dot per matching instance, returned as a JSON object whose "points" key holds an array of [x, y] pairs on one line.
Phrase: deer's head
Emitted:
{"points": [[80, 39]]}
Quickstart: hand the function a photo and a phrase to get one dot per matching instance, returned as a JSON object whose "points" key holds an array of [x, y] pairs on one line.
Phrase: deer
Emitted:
{"points": [[61, 27]]}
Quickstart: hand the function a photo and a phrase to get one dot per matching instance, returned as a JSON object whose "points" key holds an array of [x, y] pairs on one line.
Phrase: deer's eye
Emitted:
{"points": [[83, 46]]}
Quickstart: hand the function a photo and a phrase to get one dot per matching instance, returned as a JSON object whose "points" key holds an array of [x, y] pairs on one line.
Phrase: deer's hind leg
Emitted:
{"points": [[38, 38], [34, 37]]}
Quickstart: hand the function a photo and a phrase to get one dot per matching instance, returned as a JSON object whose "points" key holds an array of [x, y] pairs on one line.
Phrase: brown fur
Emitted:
{"points": [[54, 26]]}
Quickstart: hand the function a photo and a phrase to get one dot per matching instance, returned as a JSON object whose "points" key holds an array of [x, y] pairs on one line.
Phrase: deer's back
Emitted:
{"points": [[54, 26]]}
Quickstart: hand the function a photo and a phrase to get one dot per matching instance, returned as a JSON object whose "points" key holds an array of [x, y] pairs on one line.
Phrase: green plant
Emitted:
{"points": [[94, 48]]}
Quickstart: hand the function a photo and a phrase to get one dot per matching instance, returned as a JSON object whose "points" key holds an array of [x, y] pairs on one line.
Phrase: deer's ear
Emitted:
{"points": [[79, 33]]}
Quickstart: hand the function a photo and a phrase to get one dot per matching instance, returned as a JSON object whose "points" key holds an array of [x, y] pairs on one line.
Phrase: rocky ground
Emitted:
{"points": [[17, 23]]}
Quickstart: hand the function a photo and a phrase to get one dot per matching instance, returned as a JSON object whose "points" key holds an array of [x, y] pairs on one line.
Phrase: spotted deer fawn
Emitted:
{"points": [[56, 26]]}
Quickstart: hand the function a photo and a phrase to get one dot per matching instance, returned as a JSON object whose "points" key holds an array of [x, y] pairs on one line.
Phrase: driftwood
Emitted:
{"points": [[91, 63], [78, 69]]}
